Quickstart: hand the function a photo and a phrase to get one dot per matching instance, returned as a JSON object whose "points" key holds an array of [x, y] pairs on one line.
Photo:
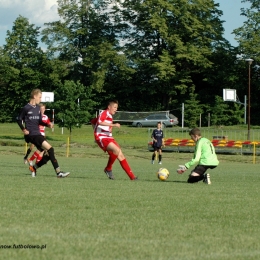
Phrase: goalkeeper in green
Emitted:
{"points": [[204, 158]]}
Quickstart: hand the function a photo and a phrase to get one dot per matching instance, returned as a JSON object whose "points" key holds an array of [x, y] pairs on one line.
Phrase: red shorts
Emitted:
{"points": [[104, 142]]}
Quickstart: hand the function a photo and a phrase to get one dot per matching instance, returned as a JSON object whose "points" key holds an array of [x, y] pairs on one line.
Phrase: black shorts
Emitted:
{"points": [[157, 148], [37, 140], [201, 169]]}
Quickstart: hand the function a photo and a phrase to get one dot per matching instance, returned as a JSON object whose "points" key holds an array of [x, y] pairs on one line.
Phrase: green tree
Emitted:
{"points": [[8, 73], [84, 39], [248, 37], [73, 104], [23, 58], [237, 114], [169, 40], [193, 110], [219, 113]]}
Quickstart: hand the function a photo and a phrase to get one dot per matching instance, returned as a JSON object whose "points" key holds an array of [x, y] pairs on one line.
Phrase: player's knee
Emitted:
{"points": [[121, 157], [193, 179], [194, 174], [51, 151], [117, 151]]}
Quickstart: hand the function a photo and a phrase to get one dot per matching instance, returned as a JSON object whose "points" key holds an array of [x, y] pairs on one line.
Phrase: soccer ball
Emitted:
{"points": [[163, 174]]}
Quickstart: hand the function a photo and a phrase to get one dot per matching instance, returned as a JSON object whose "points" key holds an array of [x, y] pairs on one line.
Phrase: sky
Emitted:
{"points": [[232, 17], [41, 11]]}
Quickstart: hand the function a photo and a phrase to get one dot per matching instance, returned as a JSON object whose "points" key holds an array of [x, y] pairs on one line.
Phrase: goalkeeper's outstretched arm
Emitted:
{"points": [[181, 169]]}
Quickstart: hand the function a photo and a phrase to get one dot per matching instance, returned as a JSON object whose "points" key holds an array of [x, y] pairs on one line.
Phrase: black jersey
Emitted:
{"points": [[158, 136], [32, 117]]}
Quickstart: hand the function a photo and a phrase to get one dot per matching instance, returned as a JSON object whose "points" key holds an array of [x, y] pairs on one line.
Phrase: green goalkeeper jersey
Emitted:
{"points": [[204, 154]]}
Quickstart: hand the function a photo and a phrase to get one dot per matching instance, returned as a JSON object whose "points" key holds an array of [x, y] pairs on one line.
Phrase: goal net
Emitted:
{"points": [[126, 116]]}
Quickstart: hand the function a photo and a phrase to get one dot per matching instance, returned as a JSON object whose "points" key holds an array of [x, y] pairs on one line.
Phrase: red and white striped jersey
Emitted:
{"points": [[101, 131], [46, 120]]}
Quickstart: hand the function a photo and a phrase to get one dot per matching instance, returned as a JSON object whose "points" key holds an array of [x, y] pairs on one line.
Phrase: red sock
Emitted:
{"points": [[111, 160], [127, 169], [34, 156], [39, 157]]}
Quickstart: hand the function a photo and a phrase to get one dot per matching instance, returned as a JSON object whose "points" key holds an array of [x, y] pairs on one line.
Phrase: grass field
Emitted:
{"points": [[87, 216]]}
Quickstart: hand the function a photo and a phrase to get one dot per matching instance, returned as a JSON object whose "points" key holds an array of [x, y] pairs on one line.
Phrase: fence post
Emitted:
{"points": [[254, 152], [68, 147]]}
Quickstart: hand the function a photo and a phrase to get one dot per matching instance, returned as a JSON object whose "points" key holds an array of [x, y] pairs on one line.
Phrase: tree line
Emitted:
{"points": [[150, 55]]}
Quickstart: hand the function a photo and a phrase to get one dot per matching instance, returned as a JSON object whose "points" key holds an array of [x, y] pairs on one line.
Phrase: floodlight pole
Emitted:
{"points": [[249, 91]]}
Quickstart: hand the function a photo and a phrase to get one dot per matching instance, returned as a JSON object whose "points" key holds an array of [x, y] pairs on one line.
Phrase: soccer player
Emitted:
{"points": [[39, 154], [103, 135], [32, 118], [204, 156], [157, 136]]}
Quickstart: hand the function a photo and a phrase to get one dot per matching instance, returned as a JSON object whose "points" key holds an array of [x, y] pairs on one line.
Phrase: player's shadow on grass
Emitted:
{"points": [[178, 181], [72, 176], [147, 180], [38, 175]]}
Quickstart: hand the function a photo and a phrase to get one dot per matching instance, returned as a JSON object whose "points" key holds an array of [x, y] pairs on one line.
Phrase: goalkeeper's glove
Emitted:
{"points": [[181, 169]]}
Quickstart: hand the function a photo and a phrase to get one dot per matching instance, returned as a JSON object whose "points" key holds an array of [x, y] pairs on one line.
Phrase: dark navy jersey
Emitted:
{"points": [[31, 116], [157, 135]]}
